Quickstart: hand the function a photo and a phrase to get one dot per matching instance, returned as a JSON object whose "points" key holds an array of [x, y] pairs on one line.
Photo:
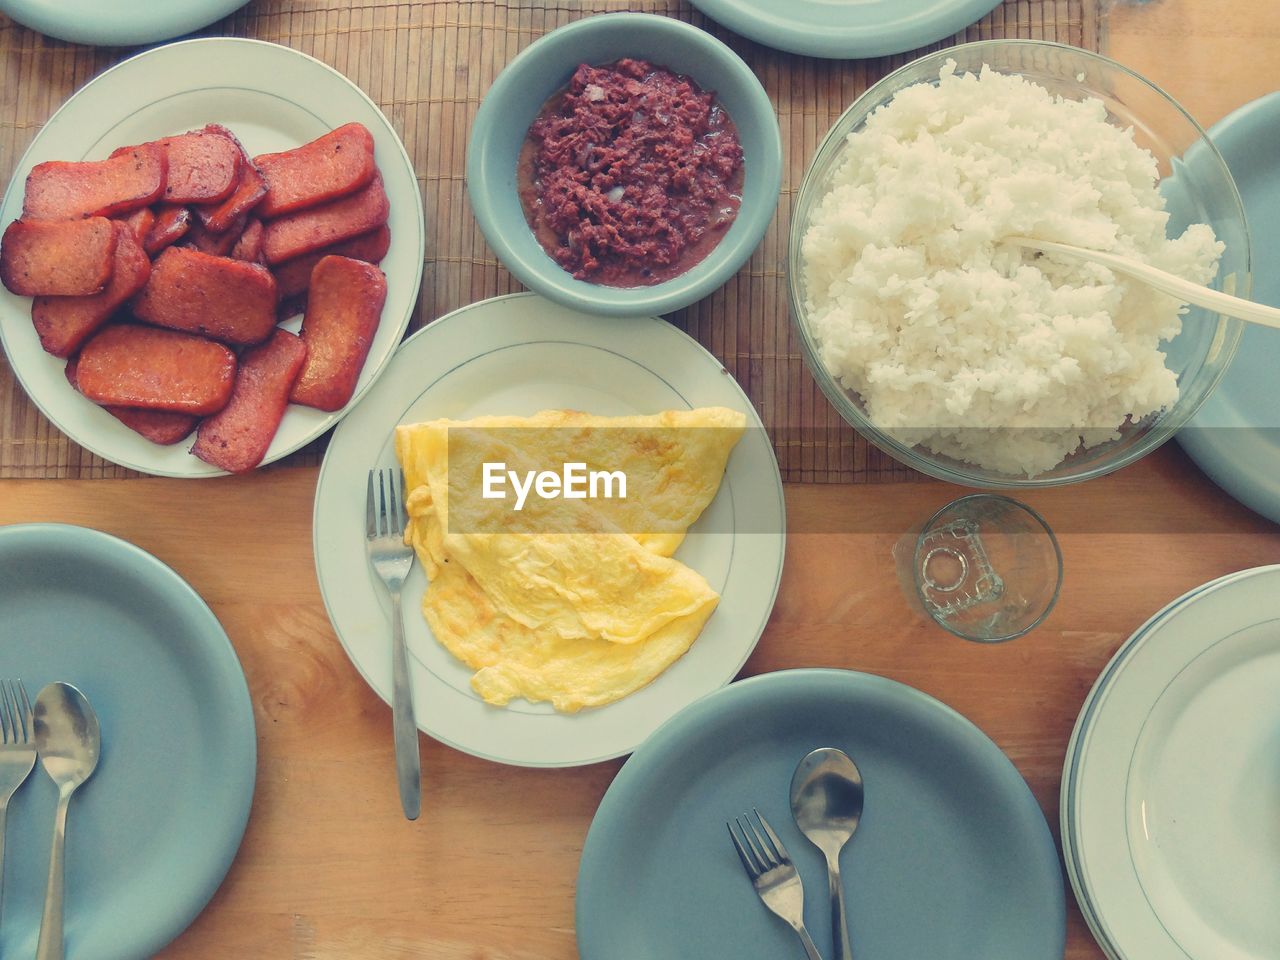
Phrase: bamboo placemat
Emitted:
{"points": [[427, 64]]}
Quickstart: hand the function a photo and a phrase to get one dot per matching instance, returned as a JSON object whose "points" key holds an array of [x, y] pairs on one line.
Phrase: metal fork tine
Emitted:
{"points": [[403, 503], [384, 524], [778, 848], [17, 713], [752, 870], [397, 499], [757, 864], [14, 711], [27, 719], [7, 731], [754, 838], [392, 512], [370, 517], [389, 491]]}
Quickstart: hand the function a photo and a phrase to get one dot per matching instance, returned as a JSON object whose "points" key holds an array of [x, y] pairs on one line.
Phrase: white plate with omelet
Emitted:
{"points": [[522, 668]]}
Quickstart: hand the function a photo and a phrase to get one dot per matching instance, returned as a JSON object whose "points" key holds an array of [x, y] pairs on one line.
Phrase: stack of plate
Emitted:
{"points": [[1171, 789]]}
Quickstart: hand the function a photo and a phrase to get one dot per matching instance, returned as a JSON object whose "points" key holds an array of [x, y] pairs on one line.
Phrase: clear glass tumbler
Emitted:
{"points": [[985, 567]]}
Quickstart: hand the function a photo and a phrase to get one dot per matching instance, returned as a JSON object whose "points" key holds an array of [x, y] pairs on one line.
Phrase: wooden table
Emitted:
{"points": [[329, 869]]}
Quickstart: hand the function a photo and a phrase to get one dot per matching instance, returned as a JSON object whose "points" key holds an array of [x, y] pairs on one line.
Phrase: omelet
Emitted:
{"points": [[575, 602], [514, 661], [559, 564], [674, 462]]}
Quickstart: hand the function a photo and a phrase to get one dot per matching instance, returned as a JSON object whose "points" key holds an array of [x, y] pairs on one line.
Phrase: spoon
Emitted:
{"points": [[826, 801], [1175, 286], [68, 739]]}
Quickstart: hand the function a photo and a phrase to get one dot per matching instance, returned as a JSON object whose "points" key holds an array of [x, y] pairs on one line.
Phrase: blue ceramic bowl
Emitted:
{"points": [[517, 96]]}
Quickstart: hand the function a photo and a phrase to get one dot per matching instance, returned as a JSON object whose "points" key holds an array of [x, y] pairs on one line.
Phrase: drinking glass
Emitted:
{"points": [[985, 567]]}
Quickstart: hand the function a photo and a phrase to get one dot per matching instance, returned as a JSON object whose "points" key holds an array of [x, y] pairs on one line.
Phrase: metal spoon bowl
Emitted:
{"points": [[826, 801], [69, 742]]}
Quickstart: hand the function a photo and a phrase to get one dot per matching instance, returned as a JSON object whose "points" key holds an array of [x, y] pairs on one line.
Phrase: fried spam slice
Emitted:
{"points": [[216, 244], [300, 233], [331, 166], [343, 309], [219, 218], [249, 190], [237, 437], [293, 276], [172, 224], [61, 258], [228, 300], [249, 244], [203, 166], [131, 178], [158, 426], [130, 365], [63, 323], [141, 221]]}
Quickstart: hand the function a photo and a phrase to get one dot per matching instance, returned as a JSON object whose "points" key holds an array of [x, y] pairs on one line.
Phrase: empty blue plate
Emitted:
{"points": [[1235, 436], [119, 23], [953, 859], [151, 836], [846, 30]]}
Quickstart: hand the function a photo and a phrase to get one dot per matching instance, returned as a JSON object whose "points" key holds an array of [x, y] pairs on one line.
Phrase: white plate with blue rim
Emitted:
{"points": [[517, 355], [272, 98], [1168, 793], [1071, 763]]}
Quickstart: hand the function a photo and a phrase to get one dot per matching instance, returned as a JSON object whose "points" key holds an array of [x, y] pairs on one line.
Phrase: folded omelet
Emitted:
{"points": [[674, 461], [576, 602], [513, 661]]}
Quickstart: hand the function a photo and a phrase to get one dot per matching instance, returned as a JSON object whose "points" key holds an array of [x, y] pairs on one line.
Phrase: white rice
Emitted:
{"points": [[945, 331]]}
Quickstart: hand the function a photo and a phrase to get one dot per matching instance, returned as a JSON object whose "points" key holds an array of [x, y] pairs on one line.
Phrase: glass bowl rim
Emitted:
{"points": [[1228, 330]]}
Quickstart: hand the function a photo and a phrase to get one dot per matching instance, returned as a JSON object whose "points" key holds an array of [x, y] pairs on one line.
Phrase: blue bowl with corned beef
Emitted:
{"points": [[625, 164]]}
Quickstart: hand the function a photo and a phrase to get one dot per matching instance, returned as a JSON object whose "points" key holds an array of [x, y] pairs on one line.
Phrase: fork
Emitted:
{"points": [[772, 874], [17, 752], [391, 559]]}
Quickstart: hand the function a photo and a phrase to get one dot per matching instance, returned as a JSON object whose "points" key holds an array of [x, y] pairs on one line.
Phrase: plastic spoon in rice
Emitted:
{"points": [[1175, 286]]}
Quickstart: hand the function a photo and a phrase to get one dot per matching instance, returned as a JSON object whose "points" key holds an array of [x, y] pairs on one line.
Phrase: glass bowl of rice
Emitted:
{"points": [[973, 359]]}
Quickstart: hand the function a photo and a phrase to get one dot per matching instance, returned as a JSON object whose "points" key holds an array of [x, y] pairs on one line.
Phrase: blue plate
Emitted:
{"points": [[952, 860], [117, 23], [846, 30], [1235, 436], [152, 834]]}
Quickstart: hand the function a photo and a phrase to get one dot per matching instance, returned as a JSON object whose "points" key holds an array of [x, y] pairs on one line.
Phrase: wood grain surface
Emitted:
{"points": [[1211, 57], [330, 871]]}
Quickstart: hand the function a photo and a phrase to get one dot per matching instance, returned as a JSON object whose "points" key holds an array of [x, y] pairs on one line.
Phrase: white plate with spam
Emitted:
{"points": [[517, 355], [272, 98]]}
